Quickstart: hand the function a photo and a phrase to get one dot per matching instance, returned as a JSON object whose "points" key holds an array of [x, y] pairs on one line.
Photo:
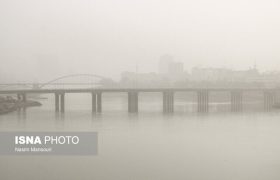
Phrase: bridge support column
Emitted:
{"points": [[18, 97], [62, 104], [56, 102], [236, 101], [59, 102], [99, 102], [24, 100], [269, 100], [24, 97], [168, 102], [21, 97], [133, 102], [93, 99], [202, 101]]}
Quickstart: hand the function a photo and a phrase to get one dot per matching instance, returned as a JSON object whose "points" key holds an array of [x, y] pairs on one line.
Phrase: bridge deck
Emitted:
{"points": [[90, 90]]}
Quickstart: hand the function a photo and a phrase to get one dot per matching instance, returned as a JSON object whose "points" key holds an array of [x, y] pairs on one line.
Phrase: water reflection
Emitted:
{"points": [[152, 145]]}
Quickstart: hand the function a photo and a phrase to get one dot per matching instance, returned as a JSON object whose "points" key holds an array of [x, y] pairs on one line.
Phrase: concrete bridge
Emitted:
{"points": [[269, 96]]}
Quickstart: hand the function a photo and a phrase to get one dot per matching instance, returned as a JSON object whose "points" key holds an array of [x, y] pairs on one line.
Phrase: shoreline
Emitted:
{"points": [[8, 104]]}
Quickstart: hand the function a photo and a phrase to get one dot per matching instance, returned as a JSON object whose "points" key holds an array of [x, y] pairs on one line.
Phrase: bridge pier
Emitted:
{"points": [[24, 97], [236, 101], [168, 102], [21, 97], [93, 101], [132, 102], [62, 95], [56, 102], [269, 100], [96, 100], [99, 102], [202, 101], [60, 102], [18, 97]]}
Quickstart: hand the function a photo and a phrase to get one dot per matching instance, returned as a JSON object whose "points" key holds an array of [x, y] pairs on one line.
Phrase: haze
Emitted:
{"points": [[40, 40]]}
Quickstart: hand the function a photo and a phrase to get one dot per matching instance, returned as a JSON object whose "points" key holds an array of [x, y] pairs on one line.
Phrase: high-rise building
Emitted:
{"points": [[168, 66], [164, 63], [176, 68]]}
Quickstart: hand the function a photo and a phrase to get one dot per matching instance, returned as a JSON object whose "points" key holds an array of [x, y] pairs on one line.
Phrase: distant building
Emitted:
{"points": [[175, 68], [164, 63], [132, 79], [170, 70], [211, 74], [223, 74], [249, 75], [168, 66]]}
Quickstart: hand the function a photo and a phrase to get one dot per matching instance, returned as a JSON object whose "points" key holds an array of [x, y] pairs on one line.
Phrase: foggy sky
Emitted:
{"points": [[40, 40]]}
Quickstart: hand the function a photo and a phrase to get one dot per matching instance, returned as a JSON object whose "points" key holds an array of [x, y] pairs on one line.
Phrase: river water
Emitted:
{"points": [[150, 145]]}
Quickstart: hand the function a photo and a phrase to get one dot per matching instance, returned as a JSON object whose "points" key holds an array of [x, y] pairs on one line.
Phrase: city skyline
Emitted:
{"points": [[138, 67], [107, 37]]}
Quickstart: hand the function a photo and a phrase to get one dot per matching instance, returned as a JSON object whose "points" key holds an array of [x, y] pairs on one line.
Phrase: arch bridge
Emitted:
{"points": [[64, 82]]}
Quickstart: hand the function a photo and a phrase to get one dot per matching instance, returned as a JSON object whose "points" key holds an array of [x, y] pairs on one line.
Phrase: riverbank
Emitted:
{"points": [[9, 104]]}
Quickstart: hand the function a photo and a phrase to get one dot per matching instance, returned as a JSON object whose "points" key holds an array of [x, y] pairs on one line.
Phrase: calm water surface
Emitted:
{"points": [[150, 145]]}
